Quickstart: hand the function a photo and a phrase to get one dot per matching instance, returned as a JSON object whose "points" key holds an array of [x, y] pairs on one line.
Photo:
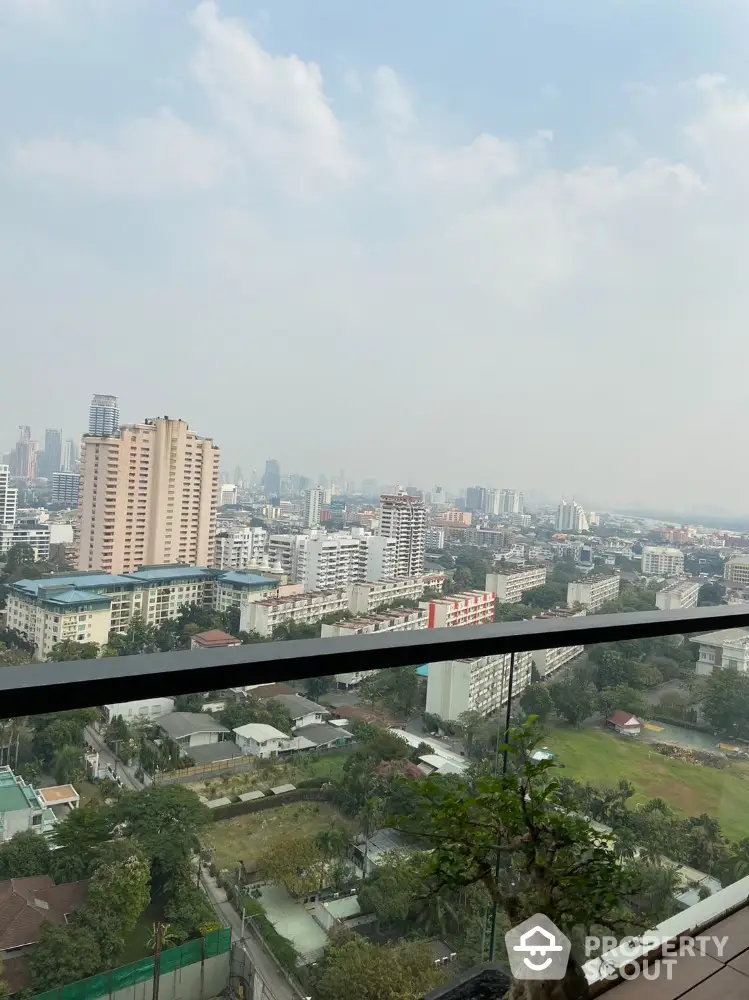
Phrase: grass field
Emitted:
{"points": [[329, 766], [602, 758], [244, 838]]}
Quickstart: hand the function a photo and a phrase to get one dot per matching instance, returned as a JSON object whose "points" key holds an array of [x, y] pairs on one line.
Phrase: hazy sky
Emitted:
{"points": [[495, 242]]}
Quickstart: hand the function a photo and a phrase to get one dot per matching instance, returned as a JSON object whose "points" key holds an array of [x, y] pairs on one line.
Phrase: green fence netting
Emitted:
{"points": [[215, 943]]}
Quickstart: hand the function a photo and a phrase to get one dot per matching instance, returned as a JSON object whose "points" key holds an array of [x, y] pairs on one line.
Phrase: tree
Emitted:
{"points": [[67, 765], [187, 909], [711, 594], [316, 687], [469, 721], [546, 596], [510, 834], [4, 988], [726, 702], [572, 701], [121, 888], [512, 612], [80, 833], [391, 890], [69, 649], [63, 955], [25, 855], [139, 638], [353, 968], [431, 722], [536, 700], [188, 703], [166, 820], [612, 669], [625, 698], [296, 863]]}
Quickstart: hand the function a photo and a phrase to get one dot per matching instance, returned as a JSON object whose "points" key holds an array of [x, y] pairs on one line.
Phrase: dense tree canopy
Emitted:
{"points": [[353, 968]]}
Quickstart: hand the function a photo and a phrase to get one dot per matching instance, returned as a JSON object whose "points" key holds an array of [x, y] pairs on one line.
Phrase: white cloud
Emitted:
{"points": [[60, 14], [161, 155], [275, 106]]}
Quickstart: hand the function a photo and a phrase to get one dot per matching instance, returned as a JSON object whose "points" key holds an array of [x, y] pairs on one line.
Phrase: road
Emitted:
{"points": [[107, 757], [265, 965]]}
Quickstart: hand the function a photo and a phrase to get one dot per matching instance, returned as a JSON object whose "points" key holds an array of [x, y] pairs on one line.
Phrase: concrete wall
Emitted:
{"points": [[199, 981]]}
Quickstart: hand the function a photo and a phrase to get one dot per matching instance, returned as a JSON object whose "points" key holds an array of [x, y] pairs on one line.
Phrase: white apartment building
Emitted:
{"points": [[472, 607], [290, 553], [239, 546], [148, 497], [520, 520], [548, 661], [365, 598], [728, 648], [305, 609], [332, 561], [36, 536], [378, 557], [319, 560], [23, 809], [134, 711], [570, 517], [510, 502], [227, 495], [85, 607], [660, 560], [404, 518], [8, 498], [66, 488], [593, 592], [510, 587], [736, 570], [478, 685], [678, 594], [401, 620], [435, 539], [314, 501]]}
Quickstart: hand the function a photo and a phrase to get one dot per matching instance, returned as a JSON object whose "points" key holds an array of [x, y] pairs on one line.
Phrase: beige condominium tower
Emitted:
{"points": [[148, 497]]}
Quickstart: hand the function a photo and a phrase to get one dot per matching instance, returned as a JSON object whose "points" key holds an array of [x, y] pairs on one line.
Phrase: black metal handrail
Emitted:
{"points": [[46, 687]]}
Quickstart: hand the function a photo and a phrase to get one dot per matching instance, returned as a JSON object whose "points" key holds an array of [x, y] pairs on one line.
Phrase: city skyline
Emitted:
{"points": [[562, 206]]}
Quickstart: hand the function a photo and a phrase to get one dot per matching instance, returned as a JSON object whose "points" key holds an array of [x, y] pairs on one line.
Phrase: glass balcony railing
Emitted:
{"points": [[435, 813]]}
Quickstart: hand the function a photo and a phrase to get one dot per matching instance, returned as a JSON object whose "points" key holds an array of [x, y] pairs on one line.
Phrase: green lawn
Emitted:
{"points": [[244, 838], [602, 758]]}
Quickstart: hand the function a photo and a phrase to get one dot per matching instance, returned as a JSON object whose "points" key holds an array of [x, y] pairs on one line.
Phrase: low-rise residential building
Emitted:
{"points": [[727, 648], [22, 808], [737, 570], [471, 607], [401, 620], [132, 711], [548, 661], [214, 638], [30, 533], [367, 597], [661, 560], [262, 740], [480, 684], [86, 606], [192, 729], [593, 592], [510, 587], [302, 711], [303, 609], [678, 594]]}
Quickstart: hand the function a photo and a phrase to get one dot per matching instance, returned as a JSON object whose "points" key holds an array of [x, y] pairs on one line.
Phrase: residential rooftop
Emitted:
{"points": [[737, 637], [88, 582], [181, 724]]}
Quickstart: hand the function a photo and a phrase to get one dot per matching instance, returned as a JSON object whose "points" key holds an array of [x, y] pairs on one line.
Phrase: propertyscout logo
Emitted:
{"points": [[537, 949]]}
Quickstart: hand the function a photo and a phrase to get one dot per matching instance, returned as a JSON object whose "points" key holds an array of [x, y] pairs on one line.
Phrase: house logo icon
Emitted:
{"points": [[537, 949]]}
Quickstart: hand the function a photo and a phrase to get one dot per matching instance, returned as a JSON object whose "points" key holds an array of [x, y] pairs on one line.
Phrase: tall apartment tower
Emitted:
{"points": [[148, 497], [8, 498], [104, 416], [69, 456], [23, 458], [404, 518], [272, 478], [313, 504], [49, 460]]}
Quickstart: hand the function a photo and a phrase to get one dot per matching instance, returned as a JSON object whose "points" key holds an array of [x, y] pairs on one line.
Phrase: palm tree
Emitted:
{"points": [[333, 842], [161, 937], [369, 818]]}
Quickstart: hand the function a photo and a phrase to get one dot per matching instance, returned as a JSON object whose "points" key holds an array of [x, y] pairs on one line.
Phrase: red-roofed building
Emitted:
{"points": [[624, 723], [214, 639]]}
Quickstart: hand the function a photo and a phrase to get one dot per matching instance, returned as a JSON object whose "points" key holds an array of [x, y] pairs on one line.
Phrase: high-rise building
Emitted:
{"points": [[239, 546], [313, 505], [228, 495], [49, 460], [571, 517], [66, 488], [404, 518], [148, 497], [23, 458], [272, 479], [104, 416], [477, 498], [69, 456], [510, 502], [8, 499]]}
